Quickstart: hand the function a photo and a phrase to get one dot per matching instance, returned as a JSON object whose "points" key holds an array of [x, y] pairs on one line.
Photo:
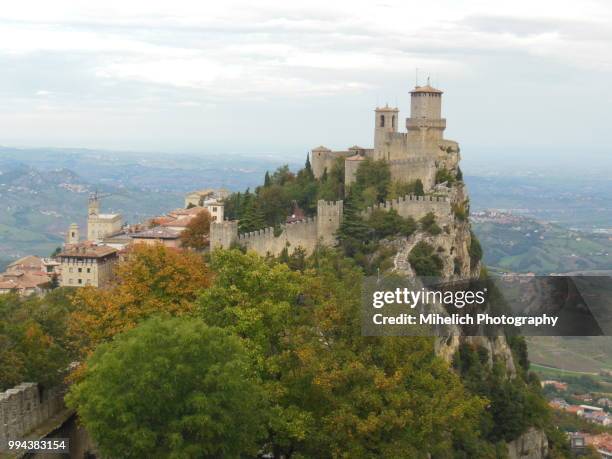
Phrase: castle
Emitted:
{"points": [[417, 154]]}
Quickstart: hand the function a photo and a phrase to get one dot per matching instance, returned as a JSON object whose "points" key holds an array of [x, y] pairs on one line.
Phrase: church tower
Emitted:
{"points": [[385, 122], [425, 125], [73, 234], [94, 204]]}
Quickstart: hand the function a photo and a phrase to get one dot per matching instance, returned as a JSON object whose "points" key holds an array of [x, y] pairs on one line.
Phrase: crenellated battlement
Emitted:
{"points": [[269, 233], [416, 207], [306, 233]]}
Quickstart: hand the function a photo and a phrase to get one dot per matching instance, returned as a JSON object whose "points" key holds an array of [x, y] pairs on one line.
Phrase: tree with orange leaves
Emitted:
{"points": [[195, 235], [152, 280]]}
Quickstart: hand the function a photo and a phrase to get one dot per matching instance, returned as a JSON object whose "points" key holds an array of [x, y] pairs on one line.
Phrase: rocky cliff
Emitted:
{"points": [[453, 246]]}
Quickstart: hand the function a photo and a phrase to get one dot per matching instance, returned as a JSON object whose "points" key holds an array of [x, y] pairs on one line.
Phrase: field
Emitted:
{"points": [[575, 354]]}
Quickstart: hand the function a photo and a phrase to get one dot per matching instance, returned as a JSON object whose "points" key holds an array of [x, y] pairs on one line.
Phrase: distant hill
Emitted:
{"points": [[42, 191], [521, 244], [37, 206], [584, 354]]}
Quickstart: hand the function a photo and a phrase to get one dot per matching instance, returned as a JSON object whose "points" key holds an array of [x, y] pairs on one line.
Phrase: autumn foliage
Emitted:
{"points": [[195, 235], [152, 280]]}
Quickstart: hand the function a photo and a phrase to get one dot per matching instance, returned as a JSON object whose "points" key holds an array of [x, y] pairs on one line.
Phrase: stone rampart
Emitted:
{"points": [[23, 408], [292, 235], [417, 207]]}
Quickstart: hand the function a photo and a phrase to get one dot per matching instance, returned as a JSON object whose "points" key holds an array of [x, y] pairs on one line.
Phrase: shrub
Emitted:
{"points": [[424, 261], [444, 175], [475, 250], [428, 224]]}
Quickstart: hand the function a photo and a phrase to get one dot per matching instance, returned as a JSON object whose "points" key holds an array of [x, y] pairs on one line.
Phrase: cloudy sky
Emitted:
{"points": [[279, 77]]}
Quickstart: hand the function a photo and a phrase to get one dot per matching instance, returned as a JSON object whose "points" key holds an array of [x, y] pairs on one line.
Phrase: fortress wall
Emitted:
{"points": [[223, 234], [306, 233], [22, 409], [350, 171], [411, 169], [299, 234], [417, 207], [322, 160]]}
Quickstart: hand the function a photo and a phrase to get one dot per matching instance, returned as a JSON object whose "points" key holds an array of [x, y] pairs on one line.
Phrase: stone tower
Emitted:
{"points": [[329, 217], [385, 122], [94, 205], [73, 234], [425, 125]]}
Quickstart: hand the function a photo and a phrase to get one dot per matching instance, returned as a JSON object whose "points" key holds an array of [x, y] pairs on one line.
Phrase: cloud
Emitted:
{"points": [[142, 59]]}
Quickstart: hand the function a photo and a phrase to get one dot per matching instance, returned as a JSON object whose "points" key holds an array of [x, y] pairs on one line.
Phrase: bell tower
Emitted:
{"points": [[73, 234], [93, 205], [385, 122]]}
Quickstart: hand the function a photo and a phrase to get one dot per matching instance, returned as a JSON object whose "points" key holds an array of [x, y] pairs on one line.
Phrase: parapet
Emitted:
{"points": [[415, 206], [23, 409], [329, 208]]}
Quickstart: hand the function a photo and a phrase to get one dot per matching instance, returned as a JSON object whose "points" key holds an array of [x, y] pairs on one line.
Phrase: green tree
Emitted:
{"points": [[353, 231], [428, 224], [424, 260], [171, 388], [33, 342], [251, 215], [444, 175], [334, 393], [308, 169], [375, 175], [475, 250], [418, 188]]}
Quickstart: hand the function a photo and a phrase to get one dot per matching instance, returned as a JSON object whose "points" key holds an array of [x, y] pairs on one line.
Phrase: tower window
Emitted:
{"points": [[382, 120], [393, 121]]}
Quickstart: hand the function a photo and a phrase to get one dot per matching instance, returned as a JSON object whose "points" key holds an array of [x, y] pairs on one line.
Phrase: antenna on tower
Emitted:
{"points": [[428, 84], [416, 77]]}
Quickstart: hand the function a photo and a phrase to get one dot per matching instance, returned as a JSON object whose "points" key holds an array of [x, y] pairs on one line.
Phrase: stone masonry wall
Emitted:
{"points": [[417, 207], [322, 228], [411, 169], [22, 409], [299, 234]]}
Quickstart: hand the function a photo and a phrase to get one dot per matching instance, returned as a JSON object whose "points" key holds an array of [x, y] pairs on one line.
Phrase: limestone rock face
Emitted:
{"points": [[531, 445], [452, 245]]}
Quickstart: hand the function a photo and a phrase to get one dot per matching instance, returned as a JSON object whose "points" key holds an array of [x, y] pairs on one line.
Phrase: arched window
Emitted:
{"points": [[382, 120], [393, 121]]}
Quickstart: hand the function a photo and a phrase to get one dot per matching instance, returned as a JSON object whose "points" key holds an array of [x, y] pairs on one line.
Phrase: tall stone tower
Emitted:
{"points": [[94, 205], [425, 125], [73, 234], [385, 121]]}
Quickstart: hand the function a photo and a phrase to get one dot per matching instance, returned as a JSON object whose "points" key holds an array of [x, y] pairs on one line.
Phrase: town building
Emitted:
{"points": [[560, 386], [87, 264], [158, 235], [24, 283], [99, 225], [209, 199], [29, 275]]}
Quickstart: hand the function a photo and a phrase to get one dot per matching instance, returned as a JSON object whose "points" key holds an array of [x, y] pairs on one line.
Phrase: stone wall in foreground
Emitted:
{"points": [[23, 408]]}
